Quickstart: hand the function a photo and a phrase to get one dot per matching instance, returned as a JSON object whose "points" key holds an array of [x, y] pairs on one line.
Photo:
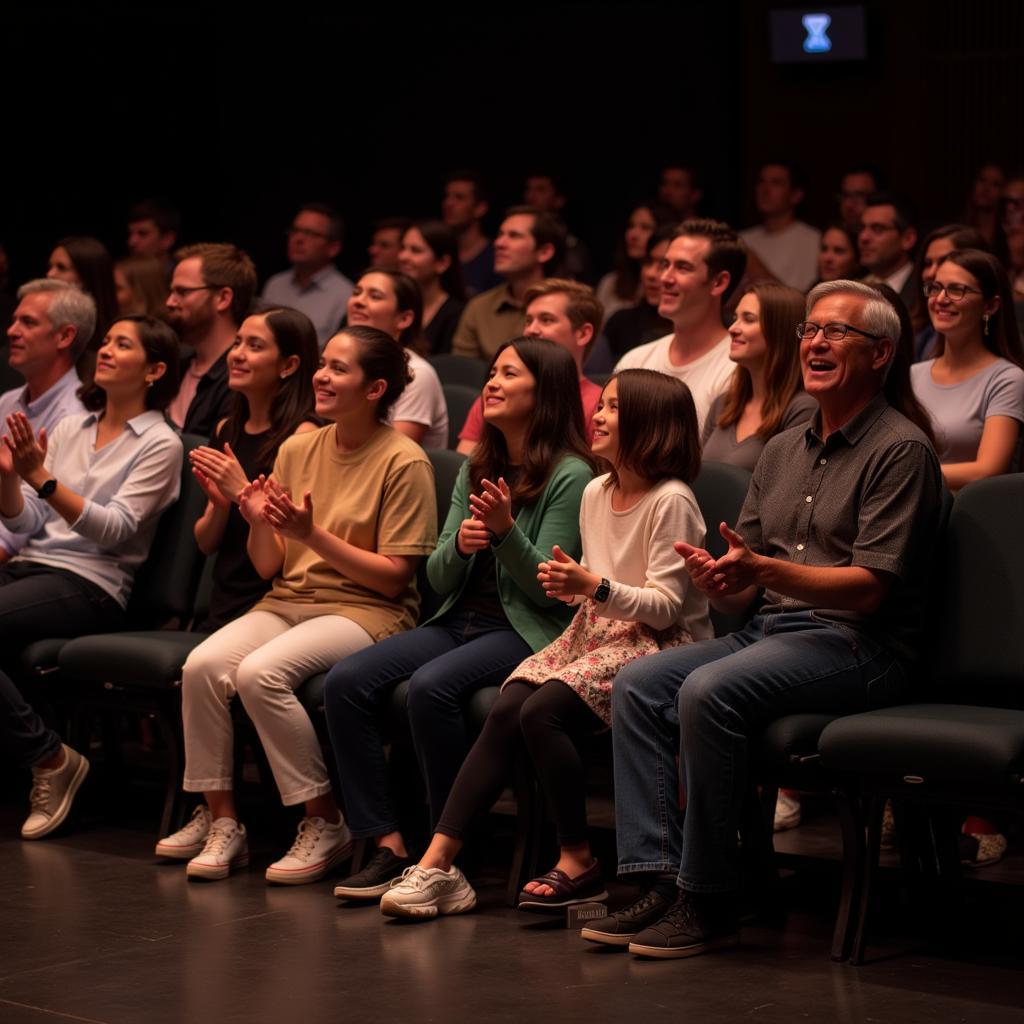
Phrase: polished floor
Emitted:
{"points": [[93, 929]]}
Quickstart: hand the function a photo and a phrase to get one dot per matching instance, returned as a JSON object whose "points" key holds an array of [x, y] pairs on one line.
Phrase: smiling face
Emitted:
{"points": [[606, 424], [60, 267], [959, 318], [122, 367], [33, 341], [417, 259], [340, 387], [837, 258], [509, 395], [747, 346], [650, 273], [638, 231], [687, 292], [255, 365], [515, 248], [548, 317], [375, 304]]}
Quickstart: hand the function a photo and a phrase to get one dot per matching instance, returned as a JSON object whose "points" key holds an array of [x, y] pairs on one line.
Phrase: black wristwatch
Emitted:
{"points": [[604, 588], [47, 489]]}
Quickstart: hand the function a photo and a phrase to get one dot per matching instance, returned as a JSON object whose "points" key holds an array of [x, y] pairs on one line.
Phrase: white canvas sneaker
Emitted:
{"points": [[318, 847], [187, 842], [427, 892], [53, 791], [226, 848]]}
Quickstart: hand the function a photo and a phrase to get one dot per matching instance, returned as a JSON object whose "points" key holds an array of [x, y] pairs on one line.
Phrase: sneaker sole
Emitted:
{"points": [[455, 904], [668, 953], [303, 876], [179, 852], [608, 938], [215, 872], [529, 903], [63, 809], [370, 892]]}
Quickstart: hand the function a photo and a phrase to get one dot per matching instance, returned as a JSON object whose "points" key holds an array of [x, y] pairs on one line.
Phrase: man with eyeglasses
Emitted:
{"points": [[830, 557], [886, 243], [314, 285], [212, 289]]}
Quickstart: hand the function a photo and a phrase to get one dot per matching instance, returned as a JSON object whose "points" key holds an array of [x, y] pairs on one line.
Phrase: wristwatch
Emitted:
{"points": [[47, 489], [604, 588]]}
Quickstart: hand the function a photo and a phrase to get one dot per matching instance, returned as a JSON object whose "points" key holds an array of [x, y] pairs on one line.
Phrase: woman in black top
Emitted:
{"points": [[270, 371], [430, 256]]}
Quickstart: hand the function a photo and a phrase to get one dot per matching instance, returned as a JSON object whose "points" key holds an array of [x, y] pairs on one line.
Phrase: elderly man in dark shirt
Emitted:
{"points": [[830, 556]]}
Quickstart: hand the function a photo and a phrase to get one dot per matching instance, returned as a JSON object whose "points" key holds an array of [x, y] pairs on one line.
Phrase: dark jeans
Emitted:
{"points": [[444, 662], [37, 602], [552, 720]]}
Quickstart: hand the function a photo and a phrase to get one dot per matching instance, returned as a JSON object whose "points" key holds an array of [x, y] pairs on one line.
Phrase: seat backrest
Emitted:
{"points": [[446, 468], [459, 398], [974, 639], [165, 585], [720, 490], [466, 370]]}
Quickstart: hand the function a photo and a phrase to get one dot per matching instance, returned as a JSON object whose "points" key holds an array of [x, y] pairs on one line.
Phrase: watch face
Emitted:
{"points": [[603, 590], [47, 489]]}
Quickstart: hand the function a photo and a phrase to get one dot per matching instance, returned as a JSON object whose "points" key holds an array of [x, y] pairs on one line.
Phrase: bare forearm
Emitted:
{"points": [[386, 575], [11, 499], [851, 588], [266, 550], [63, 501], [210, 526]]}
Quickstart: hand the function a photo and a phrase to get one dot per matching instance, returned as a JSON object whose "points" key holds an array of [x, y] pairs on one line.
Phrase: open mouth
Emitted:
{"points": [[820, 365]]}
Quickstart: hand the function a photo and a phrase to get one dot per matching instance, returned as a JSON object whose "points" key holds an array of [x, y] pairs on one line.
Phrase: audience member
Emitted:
{"points": [[429, 255], [153, 229], [837, 591], [211, 291], [85, 261], [88, 495], [974, 388], [622, 287], [514, 498], [53, 323], [270, 375], [646, 429], [856, 186], [545, 191], [567, 313], [463, 209], [786, 247], [837, 256], [314, 285], [982, 212], [765, 395], [528, 243], [680, 189], [642, 323], [1012, 221], [390, 301], [141, 286], [701, 269], [340, 527], [386, 242], [886, 243]]}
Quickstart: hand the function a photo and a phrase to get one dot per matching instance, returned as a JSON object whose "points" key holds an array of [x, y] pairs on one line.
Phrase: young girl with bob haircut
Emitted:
{"points": [[633, 598], [340, 527], [517, 495]]}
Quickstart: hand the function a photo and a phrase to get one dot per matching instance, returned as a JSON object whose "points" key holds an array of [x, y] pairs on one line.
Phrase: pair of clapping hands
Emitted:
{"points": [[223, 480], [21, 451], [490, 517]]}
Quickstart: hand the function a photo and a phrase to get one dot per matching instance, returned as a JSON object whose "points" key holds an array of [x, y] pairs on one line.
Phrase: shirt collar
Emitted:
{"points": [[317, 279], [137, 424], [507, 299], [68, 382], [854, 429]]}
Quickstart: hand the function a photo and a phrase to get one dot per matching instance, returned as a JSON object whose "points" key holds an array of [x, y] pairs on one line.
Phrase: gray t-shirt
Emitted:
{"points": [[720, 444], [959, 411]]}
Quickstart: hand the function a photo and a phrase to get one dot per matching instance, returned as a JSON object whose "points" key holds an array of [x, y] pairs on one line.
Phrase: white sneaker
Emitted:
{"points": [[53, 791], [226, 848], [189, 841], [427, 892], [787, 812], [317, 848]]}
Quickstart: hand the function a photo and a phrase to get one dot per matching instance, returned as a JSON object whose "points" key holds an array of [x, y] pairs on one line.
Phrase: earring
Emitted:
{"points": [[149, 383], [984, 322]]}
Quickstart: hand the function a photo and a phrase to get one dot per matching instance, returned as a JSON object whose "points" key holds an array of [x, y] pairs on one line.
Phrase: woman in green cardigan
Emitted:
{"points": [[517, 496]]}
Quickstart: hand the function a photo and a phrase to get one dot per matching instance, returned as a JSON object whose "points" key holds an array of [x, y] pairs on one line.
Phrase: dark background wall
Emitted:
{"points": [[238, 116]]}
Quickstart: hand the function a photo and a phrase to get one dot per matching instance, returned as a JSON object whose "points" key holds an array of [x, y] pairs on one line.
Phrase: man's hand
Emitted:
{"points": [[734, 572]]}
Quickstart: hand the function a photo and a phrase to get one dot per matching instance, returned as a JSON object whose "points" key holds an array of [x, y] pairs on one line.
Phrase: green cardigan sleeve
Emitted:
{"points": [[446, 568]]}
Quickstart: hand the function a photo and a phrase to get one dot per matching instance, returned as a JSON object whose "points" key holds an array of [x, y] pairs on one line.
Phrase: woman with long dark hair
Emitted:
{"points": [[517, 495], [430, 256], [621, 287], [81, 260]]}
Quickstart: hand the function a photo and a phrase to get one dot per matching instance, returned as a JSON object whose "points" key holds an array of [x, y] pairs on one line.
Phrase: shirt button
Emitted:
{"points": [[808, 498], [799, 547], [823, 461]]}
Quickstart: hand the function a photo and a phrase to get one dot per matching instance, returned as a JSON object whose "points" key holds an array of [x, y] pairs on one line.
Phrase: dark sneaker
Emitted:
{"points": [[693, 924], [375, 879], [619, 928]]}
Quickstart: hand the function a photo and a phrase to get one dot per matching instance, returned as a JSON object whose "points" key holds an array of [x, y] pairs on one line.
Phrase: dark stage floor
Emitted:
{"points": [[93, 929]]}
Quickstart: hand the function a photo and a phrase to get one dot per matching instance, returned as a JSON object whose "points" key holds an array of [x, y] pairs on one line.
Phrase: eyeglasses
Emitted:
{"points": [[807, 329], [956, 291], [180, 292], [307, 233]]}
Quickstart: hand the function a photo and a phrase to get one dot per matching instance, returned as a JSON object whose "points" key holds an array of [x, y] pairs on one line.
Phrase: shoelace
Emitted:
{"points": [[683, 916], [196, 824], [305, 841], [40, 795], [413, 876], [218, 839], [648, 900]]}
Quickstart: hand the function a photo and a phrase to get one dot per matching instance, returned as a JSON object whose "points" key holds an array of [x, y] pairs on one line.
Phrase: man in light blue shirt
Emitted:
{"points": [[313, 286], [52, 324]]}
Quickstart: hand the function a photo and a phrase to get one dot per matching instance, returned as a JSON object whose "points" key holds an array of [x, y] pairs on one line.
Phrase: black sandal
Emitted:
{"points": [[585, 888]]}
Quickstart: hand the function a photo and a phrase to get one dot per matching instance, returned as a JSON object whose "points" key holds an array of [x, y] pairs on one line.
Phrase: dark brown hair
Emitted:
{"points": [[726, 250], [160, 344], [546, 229], [961, 236], [408, 299], [381, 358], [658, 434], [95, 269], [293, 400], [582, 306], [556, 424], [442, 242], [223, 265], [781, 309]]}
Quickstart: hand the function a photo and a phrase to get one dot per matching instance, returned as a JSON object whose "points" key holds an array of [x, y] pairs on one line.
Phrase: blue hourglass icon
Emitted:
{"points": [[817, 40]]}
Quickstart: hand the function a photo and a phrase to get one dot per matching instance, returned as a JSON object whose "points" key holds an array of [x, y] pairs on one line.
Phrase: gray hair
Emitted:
{"points": [[878, 316], [69, 305]]}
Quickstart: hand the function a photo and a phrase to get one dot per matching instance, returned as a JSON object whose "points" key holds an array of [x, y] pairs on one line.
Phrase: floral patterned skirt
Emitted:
{"points": [[591, 651]]}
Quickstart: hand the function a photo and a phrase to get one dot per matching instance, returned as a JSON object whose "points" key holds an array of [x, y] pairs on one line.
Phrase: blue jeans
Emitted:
{"points": [[444, 662], [705, 701]]}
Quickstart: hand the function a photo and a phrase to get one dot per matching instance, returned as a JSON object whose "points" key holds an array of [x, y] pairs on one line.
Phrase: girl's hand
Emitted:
{"points": [[564, 578], [251, 500], [210, 489], [289, 519], [27, 453], [472, 537], [6, 458], [493, 506], [223, 468]]}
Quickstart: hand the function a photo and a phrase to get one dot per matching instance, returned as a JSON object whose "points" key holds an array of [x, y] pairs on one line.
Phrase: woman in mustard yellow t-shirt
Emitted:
{"points": [[340, 527]]}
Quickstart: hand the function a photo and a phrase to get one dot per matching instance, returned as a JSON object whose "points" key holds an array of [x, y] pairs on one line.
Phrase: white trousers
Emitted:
{"points": [[262, 658]]}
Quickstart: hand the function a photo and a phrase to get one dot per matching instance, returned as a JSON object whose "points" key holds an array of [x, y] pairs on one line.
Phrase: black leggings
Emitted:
{"points": [[552, 720]]}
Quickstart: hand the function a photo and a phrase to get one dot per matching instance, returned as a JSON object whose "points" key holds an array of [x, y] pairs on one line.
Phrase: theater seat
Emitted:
{"points": [[468, 371], [459, 399]]}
